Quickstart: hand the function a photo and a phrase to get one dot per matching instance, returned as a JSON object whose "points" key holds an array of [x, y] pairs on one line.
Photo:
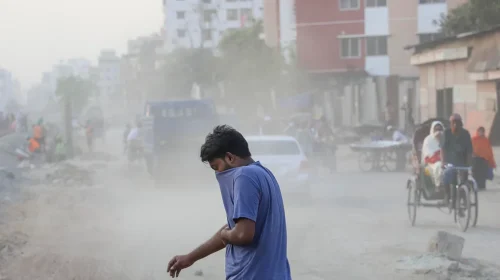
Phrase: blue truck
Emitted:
{"points": [[173, 134]]}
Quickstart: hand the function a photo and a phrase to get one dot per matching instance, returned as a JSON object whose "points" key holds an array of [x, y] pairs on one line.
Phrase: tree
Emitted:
{"points": [[74, 94], [185, 67], [76, 90], [196, 65], [250, 68], [474, 15]]}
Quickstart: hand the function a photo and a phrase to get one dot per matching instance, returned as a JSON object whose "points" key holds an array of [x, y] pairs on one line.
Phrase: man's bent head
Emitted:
{"points": [[225, 148]]}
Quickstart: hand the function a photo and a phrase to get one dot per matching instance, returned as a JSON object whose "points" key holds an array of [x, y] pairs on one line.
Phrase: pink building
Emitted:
{"points": [[344, 42], [341, 35]]}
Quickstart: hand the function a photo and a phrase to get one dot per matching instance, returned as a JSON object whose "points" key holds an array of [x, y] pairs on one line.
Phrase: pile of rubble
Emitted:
{"points": [[444, 261], [67, 174], [61, 174]]}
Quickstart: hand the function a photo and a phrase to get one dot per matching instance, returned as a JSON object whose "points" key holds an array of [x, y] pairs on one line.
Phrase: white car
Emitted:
{"points": [[284, 157]]}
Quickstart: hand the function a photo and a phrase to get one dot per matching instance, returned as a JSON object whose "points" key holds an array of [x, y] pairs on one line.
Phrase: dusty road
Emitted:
{"points": [[123, 227]]}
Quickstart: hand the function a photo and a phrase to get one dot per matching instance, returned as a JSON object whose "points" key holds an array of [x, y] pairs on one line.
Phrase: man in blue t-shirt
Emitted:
{"points": [[255, 235]]}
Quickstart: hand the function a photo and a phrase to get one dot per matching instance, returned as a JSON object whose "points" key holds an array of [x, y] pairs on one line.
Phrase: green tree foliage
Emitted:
{"points": [[250, 68], [185, 67], [474, 15], [77, 90]]}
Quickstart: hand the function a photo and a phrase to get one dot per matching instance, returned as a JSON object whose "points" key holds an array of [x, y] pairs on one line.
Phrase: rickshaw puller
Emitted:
{"points": [[457, 150]]}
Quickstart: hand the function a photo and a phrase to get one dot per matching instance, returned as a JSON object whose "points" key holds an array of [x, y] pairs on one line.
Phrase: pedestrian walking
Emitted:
{"points": [[483, 161], [255, 235]]}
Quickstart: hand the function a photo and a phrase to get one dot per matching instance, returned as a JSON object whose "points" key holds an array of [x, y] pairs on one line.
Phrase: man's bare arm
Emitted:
{"points": [[211, 246]]}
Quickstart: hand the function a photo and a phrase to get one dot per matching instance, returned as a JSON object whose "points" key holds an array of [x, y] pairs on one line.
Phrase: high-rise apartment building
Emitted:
{"points": [[9, 88], [280, 25], [202, 23], [109, 74]]}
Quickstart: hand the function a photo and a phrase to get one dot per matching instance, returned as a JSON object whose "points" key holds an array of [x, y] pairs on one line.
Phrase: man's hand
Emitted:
{"points": [[211, 246], [177, 264], [224, 233]]}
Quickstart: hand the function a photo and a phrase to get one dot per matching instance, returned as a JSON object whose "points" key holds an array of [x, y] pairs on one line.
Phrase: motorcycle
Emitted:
{"points": [[135, 152]]}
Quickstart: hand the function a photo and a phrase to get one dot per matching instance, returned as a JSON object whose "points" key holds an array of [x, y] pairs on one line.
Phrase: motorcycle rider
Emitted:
{"points": [[325, 141], [128, 128], [134, 141]]}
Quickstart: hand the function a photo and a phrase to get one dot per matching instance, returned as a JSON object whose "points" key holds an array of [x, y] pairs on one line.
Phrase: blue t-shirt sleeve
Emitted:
{"points": [[246, 198]]}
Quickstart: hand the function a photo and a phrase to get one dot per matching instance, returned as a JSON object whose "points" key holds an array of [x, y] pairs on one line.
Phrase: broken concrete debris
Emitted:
{"points": [[444, 260], [447, 244]]}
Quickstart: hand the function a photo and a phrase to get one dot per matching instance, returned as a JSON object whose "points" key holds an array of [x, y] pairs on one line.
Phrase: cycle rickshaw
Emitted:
{"points": [[422, 191]]}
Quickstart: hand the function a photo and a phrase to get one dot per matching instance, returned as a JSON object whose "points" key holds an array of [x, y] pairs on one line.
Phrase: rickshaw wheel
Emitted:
{"points": [[463, 203], [413, 200], [365, 161]]}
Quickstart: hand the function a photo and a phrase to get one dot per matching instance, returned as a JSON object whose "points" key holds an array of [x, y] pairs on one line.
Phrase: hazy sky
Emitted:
{"points": [[35, 34]]}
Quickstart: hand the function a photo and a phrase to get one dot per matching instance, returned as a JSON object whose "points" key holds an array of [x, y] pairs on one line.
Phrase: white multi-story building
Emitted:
{"points": [[202, 23], [109, 74], [9, 89], [40, 95]]}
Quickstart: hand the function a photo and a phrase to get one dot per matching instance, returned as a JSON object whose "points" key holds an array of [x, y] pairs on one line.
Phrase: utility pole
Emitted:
{"points": [[68, 122]]}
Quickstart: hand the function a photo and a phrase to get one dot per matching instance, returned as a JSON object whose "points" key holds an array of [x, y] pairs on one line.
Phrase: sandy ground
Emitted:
{"points": [[122, 226]]}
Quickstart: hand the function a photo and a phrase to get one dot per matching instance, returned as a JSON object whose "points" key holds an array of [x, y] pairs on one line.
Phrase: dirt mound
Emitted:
{"points": [[58, 267], [97, 156], [11, 246]]}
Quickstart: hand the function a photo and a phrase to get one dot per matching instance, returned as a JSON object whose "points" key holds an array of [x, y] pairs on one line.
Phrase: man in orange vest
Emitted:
{"points": [[38, 133], [33, 146]]}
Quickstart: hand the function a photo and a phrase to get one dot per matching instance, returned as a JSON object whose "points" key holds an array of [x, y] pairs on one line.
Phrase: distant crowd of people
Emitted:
{"points": [[317, 139], [13, 123]]}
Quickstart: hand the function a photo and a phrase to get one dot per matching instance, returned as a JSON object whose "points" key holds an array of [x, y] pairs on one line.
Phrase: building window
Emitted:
{"points": [[206, 35], [376, 46], [181, 33], [208, 15], [431, 1], [232, 14], [350, 47], [376, 3], [349, 4], [246, 14], [207, 1], [181, 15]]}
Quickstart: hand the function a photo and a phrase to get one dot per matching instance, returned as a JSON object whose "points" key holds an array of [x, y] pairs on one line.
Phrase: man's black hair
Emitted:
{"points": [[224, 139], [481, 128]]}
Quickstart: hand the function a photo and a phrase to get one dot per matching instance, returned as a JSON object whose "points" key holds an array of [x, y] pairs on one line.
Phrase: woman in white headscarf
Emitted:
{"points": [[431, 152]]}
